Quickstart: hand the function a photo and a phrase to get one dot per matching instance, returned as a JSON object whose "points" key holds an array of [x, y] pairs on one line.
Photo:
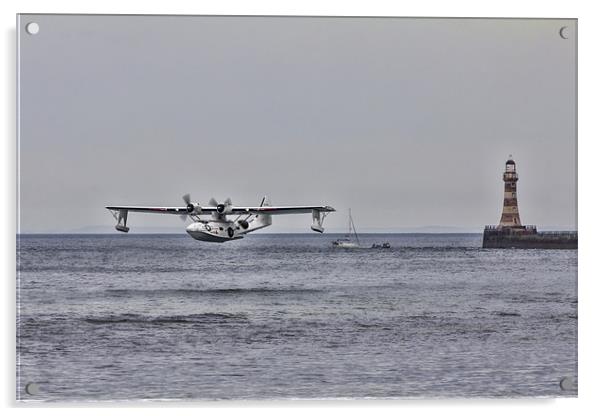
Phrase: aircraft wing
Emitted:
{"points": [[120, 212], [282, 210], [154, 210], [302, 209]]}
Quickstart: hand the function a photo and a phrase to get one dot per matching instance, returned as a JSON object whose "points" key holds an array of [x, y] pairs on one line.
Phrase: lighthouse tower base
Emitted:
{"points": [[527, 237]]}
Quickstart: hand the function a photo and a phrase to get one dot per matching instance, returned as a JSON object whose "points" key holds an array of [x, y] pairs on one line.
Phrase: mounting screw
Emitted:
{"points": [[566, 383], [32, 28], [32, 389]]}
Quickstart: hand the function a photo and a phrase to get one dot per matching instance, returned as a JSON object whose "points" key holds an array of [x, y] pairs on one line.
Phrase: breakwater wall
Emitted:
{"points": [[528, 237]]}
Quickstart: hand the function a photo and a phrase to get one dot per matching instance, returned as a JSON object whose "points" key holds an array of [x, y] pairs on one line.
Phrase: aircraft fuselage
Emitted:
{"points": [[215, 231]]}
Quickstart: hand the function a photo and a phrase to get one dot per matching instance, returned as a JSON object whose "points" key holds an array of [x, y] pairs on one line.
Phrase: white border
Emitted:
{"points": [[589, 186]]}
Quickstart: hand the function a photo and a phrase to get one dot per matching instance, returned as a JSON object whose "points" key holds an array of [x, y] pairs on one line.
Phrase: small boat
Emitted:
{"points": [[347, 241], [383, 245]]}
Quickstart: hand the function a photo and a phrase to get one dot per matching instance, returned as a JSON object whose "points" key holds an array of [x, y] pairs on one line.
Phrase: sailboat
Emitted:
{"points": [[348, 241]]}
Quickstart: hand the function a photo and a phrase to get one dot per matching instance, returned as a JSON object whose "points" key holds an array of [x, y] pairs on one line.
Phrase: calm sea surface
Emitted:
{"points": [[118, 317]]}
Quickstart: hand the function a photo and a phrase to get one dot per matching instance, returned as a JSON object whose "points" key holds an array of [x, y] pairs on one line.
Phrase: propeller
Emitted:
{"points": [[189, 205], [212, 202]]}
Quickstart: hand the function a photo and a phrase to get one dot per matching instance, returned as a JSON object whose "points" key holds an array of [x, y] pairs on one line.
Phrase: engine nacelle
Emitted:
{"points": [[244, 224], [193, 208], [224, 209]]}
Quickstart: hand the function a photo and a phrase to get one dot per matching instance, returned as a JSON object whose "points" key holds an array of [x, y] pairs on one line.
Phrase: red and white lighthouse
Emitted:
{"points": [[510, 233], [510, 216]]}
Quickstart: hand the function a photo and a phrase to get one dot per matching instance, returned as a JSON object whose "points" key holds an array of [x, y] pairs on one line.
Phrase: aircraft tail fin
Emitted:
{"points": [[258, 221], [265, 202]]}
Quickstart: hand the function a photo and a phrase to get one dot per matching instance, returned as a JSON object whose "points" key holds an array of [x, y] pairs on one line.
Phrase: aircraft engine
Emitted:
{"points": [[225, 208], [191, 208], [244, 224]]}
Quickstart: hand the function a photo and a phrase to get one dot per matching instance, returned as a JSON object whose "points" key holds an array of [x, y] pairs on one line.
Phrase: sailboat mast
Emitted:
{"points": [[351, 224]]}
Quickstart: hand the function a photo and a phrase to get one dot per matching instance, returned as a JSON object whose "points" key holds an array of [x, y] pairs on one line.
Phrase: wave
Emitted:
{"points": [[502, 313], [200, 292], [209, 317]]}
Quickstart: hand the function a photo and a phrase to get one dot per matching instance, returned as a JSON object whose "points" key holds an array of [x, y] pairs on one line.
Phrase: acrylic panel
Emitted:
{"points": [[236, 207]]}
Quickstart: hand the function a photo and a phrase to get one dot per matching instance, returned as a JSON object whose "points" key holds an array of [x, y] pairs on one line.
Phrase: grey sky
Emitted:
{"points": [[406, 121]]}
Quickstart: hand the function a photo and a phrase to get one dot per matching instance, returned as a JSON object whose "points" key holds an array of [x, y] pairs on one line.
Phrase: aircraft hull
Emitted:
{"points": [[214, 232]]}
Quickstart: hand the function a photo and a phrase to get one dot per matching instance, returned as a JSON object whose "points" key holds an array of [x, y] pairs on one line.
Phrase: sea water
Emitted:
{"points": [[278, 316]]}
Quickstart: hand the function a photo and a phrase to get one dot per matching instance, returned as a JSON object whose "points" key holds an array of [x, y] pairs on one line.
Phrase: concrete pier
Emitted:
{"points": [[493, 237]]}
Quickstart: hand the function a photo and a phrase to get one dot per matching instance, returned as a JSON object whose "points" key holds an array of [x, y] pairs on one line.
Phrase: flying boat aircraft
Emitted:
{"points": [[221, 226]]}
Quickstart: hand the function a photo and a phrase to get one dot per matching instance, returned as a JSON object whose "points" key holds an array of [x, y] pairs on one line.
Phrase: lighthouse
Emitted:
{"points": [[511, 233], [510, 216]]}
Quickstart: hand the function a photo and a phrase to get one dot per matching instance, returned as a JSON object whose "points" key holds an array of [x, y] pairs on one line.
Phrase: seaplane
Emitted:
{"points": [[225, 222]]}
